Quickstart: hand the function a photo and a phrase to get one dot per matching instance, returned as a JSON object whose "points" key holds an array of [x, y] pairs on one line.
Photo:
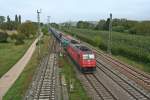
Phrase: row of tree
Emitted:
{"points": [[24, 30], [8, 24], [119, 25]]}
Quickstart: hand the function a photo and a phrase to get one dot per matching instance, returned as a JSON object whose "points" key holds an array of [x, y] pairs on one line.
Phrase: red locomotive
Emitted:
{"points": [[80, 54], [83, 57]]}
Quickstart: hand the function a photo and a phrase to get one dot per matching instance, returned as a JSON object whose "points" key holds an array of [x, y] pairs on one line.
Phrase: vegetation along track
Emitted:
{"points": [[136, 75], [44, 82]]}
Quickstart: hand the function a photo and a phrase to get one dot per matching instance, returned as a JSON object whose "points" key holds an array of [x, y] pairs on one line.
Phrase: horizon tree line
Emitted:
{"points": [[7, 24]]}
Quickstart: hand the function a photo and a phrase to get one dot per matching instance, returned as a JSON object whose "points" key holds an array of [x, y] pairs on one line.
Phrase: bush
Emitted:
{"points": [[13, 36], [3, 37], [19, 39], [97, 40], [118, 28], [45, 30], [28, 28], [132, 31]]}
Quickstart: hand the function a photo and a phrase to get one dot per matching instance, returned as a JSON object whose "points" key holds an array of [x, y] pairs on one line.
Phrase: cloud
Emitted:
{"points": [[63, 10]]}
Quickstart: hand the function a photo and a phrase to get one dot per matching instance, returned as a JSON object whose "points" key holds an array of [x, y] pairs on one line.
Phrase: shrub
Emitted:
{"points": [[19, 39], [13, 36], [97, 40], [3, 37], [45, 30], [118, 28], [28, 29], [132, 31]]}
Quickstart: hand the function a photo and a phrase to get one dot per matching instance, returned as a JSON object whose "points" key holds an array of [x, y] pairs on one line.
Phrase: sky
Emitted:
{"points": [[75, 10]]}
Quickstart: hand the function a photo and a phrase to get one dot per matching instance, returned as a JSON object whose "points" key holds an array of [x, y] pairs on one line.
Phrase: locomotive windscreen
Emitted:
{"points": [[83, 48], [74, 42]]}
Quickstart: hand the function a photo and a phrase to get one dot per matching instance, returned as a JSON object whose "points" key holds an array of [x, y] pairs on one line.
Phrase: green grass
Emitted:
{"points": [[132, 47], [67, 69], [18, 90], [10, 54]]}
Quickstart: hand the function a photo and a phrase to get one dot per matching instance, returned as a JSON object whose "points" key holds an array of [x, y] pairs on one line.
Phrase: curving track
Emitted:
{"points": [[134, 74], [119, 81], [115, 80]]}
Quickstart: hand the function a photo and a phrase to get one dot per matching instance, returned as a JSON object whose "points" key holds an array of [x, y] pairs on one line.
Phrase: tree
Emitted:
{"points": [[19, 19], [85, 24], [28, 29], [2, 19], [9, 23], [16, 19], [16, 22], [8, 19], [100, 25], [106, 25], [3, 37], [54, 25]]}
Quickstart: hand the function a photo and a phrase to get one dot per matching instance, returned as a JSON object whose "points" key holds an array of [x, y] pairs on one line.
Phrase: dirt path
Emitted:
{"points": [[10, 77]]}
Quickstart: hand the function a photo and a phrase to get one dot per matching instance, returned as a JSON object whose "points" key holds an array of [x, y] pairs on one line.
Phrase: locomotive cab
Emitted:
{"points": [[87, 60], [83, 56]]}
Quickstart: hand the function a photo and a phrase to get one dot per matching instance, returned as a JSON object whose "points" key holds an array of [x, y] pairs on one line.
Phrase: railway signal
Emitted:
{"points": [[39, 31], [110, 35]]}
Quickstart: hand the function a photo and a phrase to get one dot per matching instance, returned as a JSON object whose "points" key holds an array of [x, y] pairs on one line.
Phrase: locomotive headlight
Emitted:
{"points": [[88, 56], [85, 56], [91, 56]]}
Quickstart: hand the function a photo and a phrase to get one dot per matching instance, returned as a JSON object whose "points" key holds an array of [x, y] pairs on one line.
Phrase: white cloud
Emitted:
{"points": [[63, 10]]}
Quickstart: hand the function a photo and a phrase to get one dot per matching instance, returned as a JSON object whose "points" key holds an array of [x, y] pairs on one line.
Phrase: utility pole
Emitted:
{"points": [[48, 21], [110, 35], [39, 31]]}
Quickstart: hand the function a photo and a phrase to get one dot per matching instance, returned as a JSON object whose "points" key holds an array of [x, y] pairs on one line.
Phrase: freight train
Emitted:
{"points": [[80, 54]]}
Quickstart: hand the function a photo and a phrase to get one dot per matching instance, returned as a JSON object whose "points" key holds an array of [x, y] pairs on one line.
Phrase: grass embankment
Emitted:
{"points": [[11, 53], [78, 93], [135, 48], [18, 90]]}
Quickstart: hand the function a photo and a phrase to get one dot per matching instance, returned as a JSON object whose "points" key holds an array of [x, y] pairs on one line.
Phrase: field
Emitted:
{"points": [[10, 54], [134, 47], [18, 90]]}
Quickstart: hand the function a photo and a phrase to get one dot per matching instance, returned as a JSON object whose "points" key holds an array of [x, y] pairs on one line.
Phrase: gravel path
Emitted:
{"points": [[10, 77]]}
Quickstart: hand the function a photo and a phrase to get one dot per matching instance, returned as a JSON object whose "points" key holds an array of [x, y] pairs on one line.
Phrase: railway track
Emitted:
{"points": [[94, 87], [107, 84], [46, 85], [115, 80], [139, 77], [136, 75], [123, 82], [103, 92], [131, 82]]}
